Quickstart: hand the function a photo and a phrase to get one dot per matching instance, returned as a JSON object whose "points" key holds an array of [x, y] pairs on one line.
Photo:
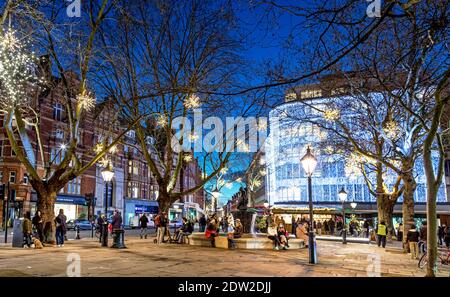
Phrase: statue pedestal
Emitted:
{"points": [[246, 217]]}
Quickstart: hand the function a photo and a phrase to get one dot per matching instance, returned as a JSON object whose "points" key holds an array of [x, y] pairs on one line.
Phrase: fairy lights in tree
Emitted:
{"points": [[192, 102], [392, 130], [187, 158], [86, 101], [17, 71], [331, 114], [161, 120]]}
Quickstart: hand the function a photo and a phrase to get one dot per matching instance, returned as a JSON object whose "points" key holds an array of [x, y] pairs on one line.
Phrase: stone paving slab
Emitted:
{"points": [[144, 258]]}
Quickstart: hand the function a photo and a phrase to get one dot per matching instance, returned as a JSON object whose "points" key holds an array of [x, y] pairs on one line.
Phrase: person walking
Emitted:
{"points": [[326, 227], [202, 223], [319, 228], [400, 232], [412, 238], [143, 222], [447, 236], [116, 221], [366, 228], [27, 230], [162, 227], [423, 237], [101, 220], [61, 228], [441, 234], [38, 224], [381, 234], [331, 225]]}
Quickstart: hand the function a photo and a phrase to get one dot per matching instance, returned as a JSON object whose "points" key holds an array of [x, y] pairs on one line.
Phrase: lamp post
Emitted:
{"points": [[309, 163], [107, 175], [343, 196], [215, 193]]}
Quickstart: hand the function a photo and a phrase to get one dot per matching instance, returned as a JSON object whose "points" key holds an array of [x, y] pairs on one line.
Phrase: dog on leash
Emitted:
{"points": [[37, 243]]}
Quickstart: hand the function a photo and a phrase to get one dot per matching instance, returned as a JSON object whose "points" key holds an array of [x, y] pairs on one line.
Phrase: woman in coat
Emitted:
{"points": [[302, 232]]}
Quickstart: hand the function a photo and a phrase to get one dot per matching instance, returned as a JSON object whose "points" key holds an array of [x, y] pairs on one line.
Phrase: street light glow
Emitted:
{"points": [[309, 162]]}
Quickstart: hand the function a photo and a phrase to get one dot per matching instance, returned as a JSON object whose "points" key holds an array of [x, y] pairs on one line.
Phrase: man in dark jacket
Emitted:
{"points": [[143, 221], [185, 230], [38, 223], [60, 222], [116, 220], [202, 223], [412, 238], [27, 230], [423, 237]]}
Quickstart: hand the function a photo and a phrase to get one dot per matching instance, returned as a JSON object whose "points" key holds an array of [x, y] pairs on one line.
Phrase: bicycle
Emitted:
{"points": [[444, 258]]}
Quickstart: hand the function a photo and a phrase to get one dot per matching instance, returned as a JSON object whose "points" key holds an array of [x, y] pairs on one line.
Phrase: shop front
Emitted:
{"points": [[176, 212], [134, 208], [289, 215], [74, 206]]}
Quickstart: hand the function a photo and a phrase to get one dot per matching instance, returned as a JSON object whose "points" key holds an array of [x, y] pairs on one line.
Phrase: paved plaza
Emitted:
{"points": [[144, 258]]}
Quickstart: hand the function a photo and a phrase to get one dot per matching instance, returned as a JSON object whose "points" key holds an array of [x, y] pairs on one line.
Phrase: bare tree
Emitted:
{"points": [[22, 82]]}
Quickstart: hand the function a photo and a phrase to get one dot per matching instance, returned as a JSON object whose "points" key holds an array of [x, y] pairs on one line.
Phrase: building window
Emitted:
{"points": [[13, 153], [12, 177], [133, 190], [59, 134], [56, 155], [57, 111], [74, 186], [25, 179], [1, 148], [1, 176]]}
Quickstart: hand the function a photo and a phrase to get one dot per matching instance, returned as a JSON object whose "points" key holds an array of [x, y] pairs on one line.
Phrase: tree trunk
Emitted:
{"points": [[164, 201], [385, 210], [408, 203], [46, 204]]}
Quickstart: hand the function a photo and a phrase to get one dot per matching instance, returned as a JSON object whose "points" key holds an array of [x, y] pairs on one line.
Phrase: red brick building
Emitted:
{"points": [[50, 105]]}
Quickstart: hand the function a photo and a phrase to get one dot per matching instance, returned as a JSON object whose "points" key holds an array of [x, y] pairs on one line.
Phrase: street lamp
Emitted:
{"points": [[266, 205], [309, 163], [353, 204], [343, 196], [107, 175], [215, 193]]}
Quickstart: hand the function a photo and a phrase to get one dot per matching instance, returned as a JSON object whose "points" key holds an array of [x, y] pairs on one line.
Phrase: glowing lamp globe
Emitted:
{"points": [[108, 173], [342, 195], [309, 162]]}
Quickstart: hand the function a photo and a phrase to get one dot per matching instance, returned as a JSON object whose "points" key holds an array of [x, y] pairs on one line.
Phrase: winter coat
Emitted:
{"points": [[60, 221], [117, 221], [423, 233], [26, 226], [144, 221], [302, 233], [37, 222], [412, 236]]}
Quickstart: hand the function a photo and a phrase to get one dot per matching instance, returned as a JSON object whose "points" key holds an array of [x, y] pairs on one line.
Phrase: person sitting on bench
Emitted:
{"points": [[185, 230], [273, 235]]}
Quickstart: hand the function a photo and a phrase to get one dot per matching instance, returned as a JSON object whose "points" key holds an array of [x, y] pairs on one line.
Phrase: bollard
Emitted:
{"points": [[92, 231], [78, 232], [119, 239]]}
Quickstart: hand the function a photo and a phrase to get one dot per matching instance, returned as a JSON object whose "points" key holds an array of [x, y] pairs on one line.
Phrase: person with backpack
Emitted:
{"points": [[143, 222], [27, 230], [412, 238], [60, 222]]}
